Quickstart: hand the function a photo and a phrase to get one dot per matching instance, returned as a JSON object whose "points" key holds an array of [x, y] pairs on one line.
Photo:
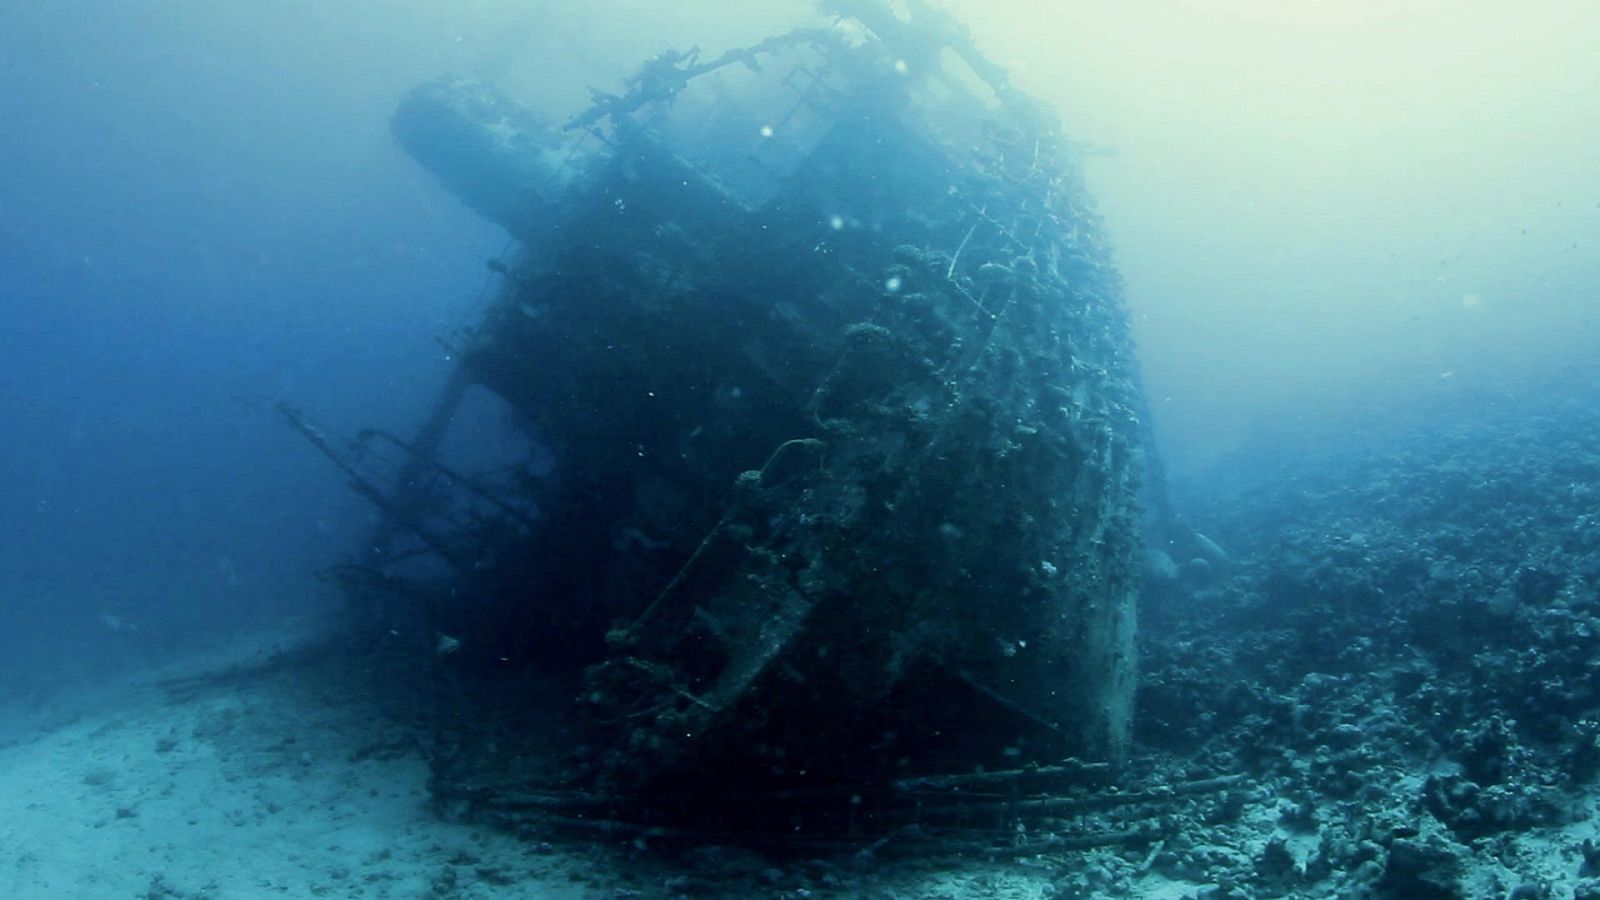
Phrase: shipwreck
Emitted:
{"points": [[830, 515]]}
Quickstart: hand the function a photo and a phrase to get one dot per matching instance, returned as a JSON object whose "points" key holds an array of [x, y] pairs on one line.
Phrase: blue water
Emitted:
{"points": [[202, 213], [1334, 224]]}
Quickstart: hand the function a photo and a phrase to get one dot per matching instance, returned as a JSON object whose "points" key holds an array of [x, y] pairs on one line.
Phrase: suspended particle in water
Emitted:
{"points": [[901, 67], [893, 284], [766, 131], [836, 223]]}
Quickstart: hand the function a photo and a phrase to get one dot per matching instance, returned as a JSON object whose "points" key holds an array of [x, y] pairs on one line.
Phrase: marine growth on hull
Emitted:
{"points": [[829, 519]]}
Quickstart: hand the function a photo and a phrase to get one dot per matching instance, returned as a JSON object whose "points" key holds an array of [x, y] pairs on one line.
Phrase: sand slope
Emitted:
{"points": [[277, 784]]}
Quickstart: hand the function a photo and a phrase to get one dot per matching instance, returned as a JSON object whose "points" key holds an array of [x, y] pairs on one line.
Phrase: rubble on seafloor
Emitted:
{"points": [[1400, 656]]}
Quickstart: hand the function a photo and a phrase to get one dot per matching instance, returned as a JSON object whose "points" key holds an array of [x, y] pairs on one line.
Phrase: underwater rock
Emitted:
{"points": [[1472, 810], [1537, 586], [1423, 868], [1276, 866]]}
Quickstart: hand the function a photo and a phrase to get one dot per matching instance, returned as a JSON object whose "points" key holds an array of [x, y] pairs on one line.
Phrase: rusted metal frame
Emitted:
{"points": [[396, 513], [450, 474], [613, 106]]}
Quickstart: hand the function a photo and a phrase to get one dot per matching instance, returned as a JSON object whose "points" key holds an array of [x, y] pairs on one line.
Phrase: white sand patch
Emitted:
{"points": [[275, 785]]}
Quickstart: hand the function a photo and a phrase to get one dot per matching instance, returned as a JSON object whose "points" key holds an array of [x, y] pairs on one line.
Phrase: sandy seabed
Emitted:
{"points": [[271, 782], [254, 770]]}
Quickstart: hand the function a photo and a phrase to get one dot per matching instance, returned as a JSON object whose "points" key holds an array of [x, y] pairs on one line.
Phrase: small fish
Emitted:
{"points": [[116, 623]]}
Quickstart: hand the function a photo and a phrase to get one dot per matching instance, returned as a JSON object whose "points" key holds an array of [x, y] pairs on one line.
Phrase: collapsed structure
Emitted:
{"points": [[827, 348]]}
